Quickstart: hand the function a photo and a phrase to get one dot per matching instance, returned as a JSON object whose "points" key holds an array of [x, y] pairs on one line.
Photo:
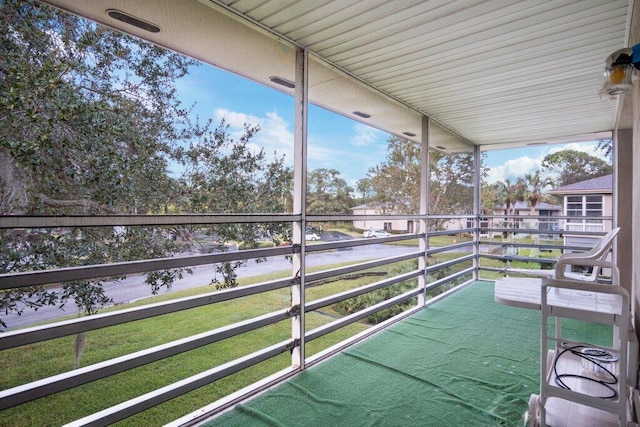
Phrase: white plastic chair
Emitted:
{"points": [[595, 258]]}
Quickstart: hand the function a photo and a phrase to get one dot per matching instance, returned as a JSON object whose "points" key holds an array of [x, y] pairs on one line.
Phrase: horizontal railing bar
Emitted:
{"points": [[533, 245], [510, 270], [367, 217], [352, 318], [392, 238], [527, 245], [44, 221], [521, 231], [35, 334], [547, 218], [538, 231], [519, 258], [439, 249], [48, 221], [449, 216], [51, 385], [164, 394], [451, 232], [43, 277], [440, 282], [449, 263], [320, 275], [318, 247], [495, 269], [335, 298]]}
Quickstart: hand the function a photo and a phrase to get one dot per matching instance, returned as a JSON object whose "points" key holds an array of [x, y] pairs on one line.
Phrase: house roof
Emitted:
{"points": [[365, 206], [601, 184]]}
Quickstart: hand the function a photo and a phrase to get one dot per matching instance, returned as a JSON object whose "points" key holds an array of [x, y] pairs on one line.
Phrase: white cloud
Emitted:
{"points": [[234, 119], [513, 168], [274, 134], [321, 153], [365, 135]]}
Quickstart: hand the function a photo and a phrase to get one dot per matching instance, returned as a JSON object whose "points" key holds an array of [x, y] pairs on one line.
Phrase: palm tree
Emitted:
{"points": [[509, 193], [532, 187]]}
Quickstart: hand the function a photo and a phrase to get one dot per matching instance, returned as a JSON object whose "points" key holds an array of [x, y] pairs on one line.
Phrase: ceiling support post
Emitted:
{"points": [[424, 209], [299, 206]]}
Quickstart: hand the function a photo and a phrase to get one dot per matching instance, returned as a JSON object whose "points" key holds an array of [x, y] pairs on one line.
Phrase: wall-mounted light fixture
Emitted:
{"points": [[619, 70], [132, 20], [282, 82]]}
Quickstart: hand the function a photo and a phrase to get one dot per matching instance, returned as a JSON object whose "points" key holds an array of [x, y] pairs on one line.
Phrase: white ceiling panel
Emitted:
{"points": [[496, 72]]}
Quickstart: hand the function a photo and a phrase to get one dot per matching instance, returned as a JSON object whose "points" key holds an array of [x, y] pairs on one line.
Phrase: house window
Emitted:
{"points": [[574, 206], [593, 206], [387, 226], [548, 224], [484, 223], [584, 206], [581, 208]]}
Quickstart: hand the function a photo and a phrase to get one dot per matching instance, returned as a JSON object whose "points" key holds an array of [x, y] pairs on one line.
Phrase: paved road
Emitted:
{"points": [[134, 288]]}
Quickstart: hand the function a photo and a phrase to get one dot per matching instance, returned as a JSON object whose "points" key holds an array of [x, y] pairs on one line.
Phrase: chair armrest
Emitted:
{"points": [[571, 256], [589, 263]]}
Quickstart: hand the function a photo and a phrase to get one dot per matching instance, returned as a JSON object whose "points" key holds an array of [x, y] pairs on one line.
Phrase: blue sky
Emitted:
{"points": [[515, 163], [333, 141]]}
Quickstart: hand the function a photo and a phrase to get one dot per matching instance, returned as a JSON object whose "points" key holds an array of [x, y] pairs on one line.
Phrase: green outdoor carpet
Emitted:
{"points": [[464, 361]]}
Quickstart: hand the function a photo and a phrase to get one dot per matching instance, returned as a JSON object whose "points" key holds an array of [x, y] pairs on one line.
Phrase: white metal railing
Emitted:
{"points": [[446, 272], [537, 247], [460, 263]]}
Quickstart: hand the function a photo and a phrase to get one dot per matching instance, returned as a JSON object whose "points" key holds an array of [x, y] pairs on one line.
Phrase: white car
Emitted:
{"points": [[311, 236], [376, 233]]}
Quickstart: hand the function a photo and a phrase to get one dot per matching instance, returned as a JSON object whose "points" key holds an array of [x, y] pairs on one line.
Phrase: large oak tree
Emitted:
{"points": [[394, 184], [91, 121], [571, 166]]}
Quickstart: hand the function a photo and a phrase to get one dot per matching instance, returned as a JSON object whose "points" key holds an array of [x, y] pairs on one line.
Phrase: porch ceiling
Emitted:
{"points": [[499, 73]]}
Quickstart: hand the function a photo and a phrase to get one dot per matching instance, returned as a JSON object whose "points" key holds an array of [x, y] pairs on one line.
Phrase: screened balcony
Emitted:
{"points": [[412, 315]]}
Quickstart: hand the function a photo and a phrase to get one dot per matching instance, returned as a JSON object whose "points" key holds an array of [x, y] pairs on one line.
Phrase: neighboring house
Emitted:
{"points": [[409, 226], [398, 225], [591, 198], [523, 210]]}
